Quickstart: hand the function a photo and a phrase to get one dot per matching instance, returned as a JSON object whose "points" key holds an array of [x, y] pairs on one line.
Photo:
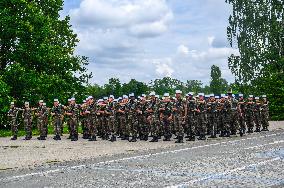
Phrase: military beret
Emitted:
{"points": [[166, 95], [223, 95], [200, 94], [178, 92], [44, 104], [40, 101], [211, 95], [27, 103], [190, 94], [105, 98], [72, 99], [263, 96], [69, 100], [143, 95], [241, 95], [131, 95], [152, 93], [56, 100], [157, 96], [256, 98], [12, 103], [111, 96], [250, 96], [217, 97], [100, 100], [84, 101]]}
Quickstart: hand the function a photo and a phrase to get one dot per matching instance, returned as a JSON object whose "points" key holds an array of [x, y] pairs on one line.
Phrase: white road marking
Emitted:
{"points": [[224, 173], [130, 158], [259, 146]]}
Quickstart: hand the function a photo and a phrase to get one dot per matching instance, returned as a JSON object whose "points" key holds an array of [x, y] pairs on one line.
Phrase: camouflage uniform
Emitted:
{"points": [[12, 116], [201, 118], [92, 121], [257, 120], [212, 118], [142, 120], [102, 125], [234, 117], [153, 119], [178, 115], [110, 119], [132, 119], [165, 117], [74, 111], [27, 116], [191, 118], [264, 114], [241, 114], [57, 120], [249, 116], [83, 118], [121, 120], [41, 114]]}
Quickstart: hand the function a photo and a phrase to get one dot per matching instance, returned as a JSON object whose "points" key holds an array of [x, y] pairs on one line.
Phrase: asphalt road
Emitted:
{"points": [[256, 160]]}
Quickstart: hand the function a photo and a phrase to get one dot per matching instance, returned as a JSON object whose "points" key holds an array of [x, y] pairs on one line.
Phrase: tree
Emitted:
{"points": [[194, 86], [216, 81], [256, 28]]}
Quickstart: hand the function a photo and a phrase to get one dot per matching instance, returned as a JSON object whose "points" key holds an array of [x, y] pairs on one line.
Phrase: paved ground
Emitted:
{"points": [[256, 160]]}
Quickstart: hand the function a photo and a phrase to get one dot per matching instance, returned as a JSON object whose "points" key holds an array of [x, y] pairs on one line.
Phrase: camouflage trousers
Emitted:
{"points": [[111, 124], [57, 124], [73, 127], [143, 128], [242, 123], [201, 123], [153, 123], [91, 122], [190, 124], [14, 127], [122, 125], [257, 120], [213, 122], [234, 121], [28, 126], [178, 125], [224, 121], [42, 128], [249, 121], [166, 126], [264, 119], [133, 124], [84, 126]]}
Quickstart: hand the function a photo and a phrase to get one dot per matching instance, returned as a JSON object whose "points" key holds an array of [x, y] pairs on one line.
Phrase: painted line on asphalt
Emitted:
{"points": [[224, 173], [259, 146], [43, 173]]}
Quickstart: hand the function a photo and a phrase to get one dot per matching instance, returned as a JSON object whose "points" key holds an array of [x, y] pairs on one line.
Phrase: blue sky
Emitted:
{"points": [[149, 39]]}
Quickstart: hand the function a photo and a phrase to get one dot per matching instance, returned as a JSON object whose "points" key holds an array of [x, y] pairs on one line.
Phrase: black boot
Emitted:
{"points": [[146, 137], [257, 130], [227, 134], [201, 137], [264, 129], [154, 139], [133, 139], [14, 137], [191, 138], [27, 138], [167, 138], [222, 134], [43, 138], [213, 136], [73, 138], [180, 139], [39, 138], [233, 132], [113, 138]]}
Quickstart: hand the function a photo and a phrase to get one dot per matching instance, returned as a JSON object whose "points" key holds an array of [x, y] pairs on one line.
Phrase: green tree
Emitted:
{"points": [[256, 28], [216, 82], [194, 86]]}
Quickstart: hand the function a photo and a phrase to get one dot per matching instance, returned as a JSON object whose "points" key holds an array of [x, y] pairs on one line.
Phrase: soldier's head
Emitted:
{"points": [[178, 94], [166, 97], [230, 93], [111, 98], [222, 98], [69, 101], [131, 96], [72, 101], [90, 100], [12, 105], [264, 98], [189, 95], [44, 104], [124, 98], [250, 98], [27, 104], [241, 97], [152, 95], [40, 103], [217, 98], [257, 99], [201, 96], [55, 102], [212, 97], [143, 97]]}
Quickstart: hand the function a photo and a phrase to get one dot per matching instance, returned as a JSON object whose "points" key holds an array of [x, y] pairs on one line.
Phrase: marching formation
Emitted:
{"points": [[130, 118]]}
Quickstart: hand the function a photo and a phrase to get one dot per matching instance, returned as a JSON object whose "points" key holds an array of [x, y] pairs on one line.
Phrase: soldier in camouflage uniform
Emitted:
{"points": [[166, 116], [212, 116], [92, 118], [234, 121], [142, 118], [179, 116], [110, 118], [264, 114], [12, 116], [67, 118], [57, 113], [153, 117], [256, 112], [27, 117], [41, 113], [101, 119], [72, 112], [120, 109], [83, 118], [241, 114], [201, 116], [132, 117], [249, 114], [190, 114]]}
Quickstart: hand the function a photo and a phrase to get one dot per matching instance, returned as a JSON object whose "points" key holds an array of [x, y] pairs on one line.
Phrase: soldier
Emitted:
{"points": [[41, 113], [153, 117], [110, 115], [120, 109], [249, 114], [234, 121], [190, 114], [212, 116], [72, 112], [264, 114], [45, 117], [166, 116], [57, 112], [132, 117], [92, 118], [241, 114], [67, 118], [83, 119], [141, 117], [201, 116], [101, 119], [12, 116], [27, 116], [178, 116], [256, 111]]}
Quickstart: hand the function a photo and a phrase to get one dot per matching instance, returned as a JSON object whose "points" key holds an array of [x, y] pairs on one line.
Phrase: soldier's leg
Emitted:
{"points": [[14, 129]]}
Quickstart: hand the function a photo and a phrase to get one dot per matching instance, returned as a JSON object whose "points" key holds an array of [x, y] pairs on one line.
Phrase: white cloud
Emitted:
{"points": [[182, 50], [163, 67]]}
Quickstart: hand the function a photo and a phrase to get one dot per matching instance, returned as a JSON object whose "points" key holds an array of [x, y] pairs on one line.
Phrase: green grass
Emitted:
{"points": [[21, 132]]}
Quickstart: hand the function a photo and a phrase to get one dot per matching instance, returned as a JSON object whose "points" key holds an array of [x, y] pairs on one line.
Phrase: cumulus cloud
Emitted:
{"points": [[164, 67]]}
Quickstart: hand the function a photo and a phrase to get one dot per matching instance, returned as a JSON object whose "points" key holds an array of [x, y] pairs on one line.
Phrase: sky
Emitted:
{"points": [[149, 39]]}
